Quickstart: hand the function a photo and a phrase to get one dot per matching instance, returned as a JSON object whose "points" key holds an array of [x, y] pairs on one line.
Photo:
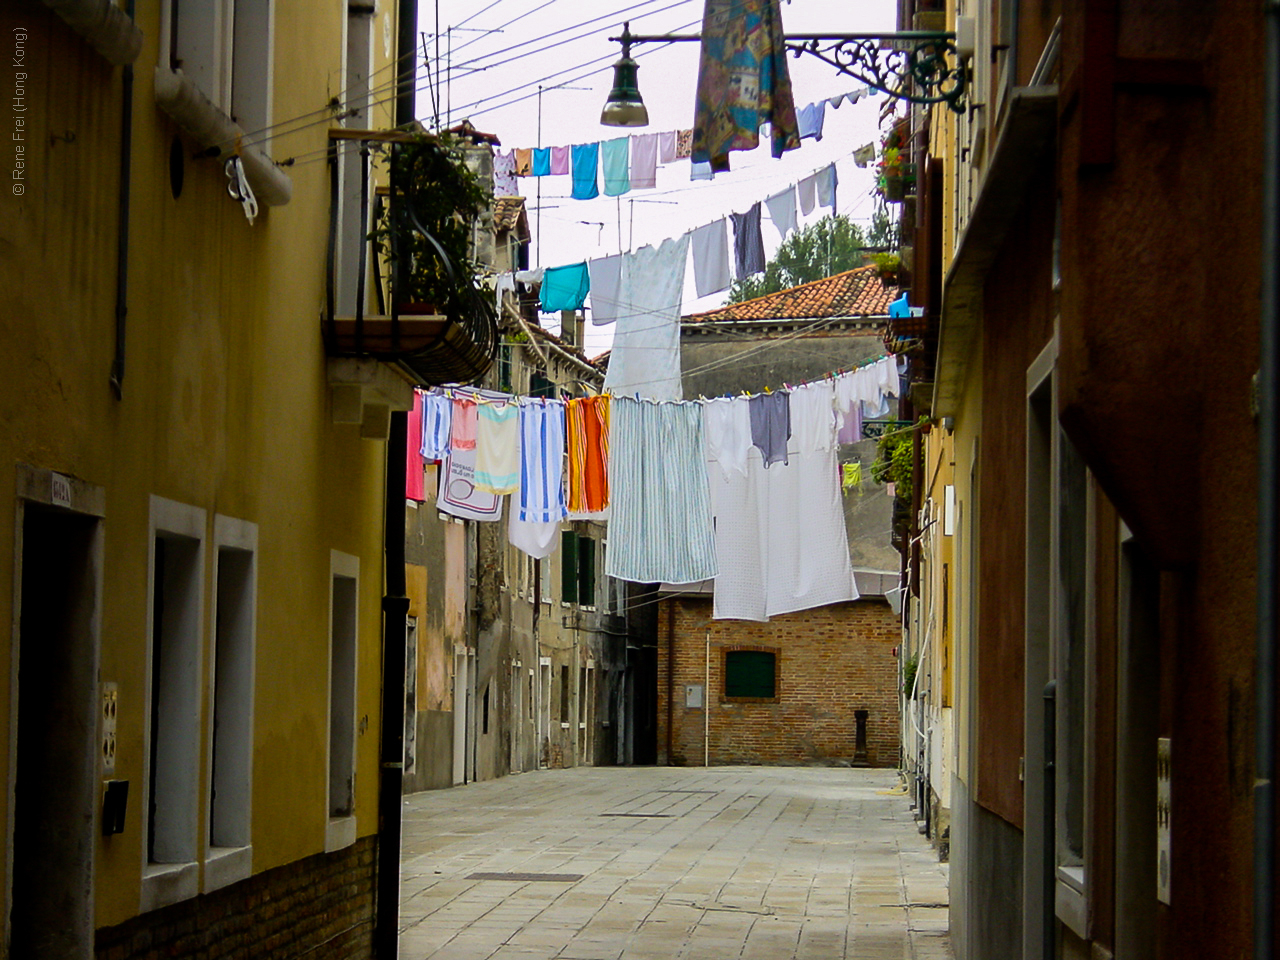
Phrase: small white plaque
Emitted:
{"points": [[60, 490]]}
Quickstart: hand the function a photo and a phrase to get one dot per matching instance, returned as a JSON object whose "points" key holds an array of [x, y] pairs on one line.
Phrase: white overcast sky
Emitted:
{"points": [[494, 54]]}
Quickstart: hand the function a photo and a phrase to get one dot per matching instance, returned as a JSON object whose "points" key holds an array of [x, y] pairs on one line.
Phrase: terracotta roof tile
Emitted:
{"points": [[854, 293], [506, 212]]}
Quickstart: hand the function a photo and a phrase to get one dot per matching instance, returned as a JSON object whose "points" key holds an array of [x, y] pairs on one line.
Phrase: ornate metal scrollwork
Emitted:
{"points": [[919, 67], [875, 429]]}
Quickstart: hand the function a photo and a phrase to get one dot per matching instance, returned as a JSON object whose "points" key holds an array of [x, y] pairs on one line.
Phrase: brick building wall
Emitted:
{"points": [[320, 908], [830, 663]]}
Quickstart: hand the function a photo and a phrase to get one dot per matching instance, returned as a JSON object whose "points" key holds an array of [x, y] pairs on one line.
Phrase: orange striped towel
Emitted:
{"points": [[587, 430]]}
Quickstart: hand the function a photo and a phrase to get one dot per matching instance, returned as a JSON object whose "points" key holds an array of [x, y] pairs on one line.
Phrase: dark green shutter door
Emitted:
{"points": [[586, 571], [569, 566], [749, 673]]}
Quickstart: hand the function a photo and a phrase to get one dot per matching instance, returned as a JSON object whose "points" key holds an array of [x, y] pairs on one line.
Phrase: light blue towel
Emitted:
{"points": [[660, 528], [565, 288], [615, 157], [542, 161], [585, 158]]}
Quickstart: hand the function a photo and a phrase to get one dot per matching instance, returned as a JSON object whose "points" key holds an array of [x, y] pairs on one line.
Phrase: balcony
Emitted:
{"points": [[399, 292]]}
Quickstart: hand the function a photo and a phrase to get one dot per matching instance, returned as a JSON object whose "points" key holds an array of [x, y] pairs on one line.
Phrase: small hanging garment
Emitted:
{"points": [[414, 464], [748, 245], [498, 447], [559, 161], [540, 498], [437, 419], [585, 160], [667, 147], [615, 156], [782, 211], [587, 431], [463, 433], [565, 288], [606, 276], [771, 425], [742, 80], [710, 245], [542, 161], [644, 161]]}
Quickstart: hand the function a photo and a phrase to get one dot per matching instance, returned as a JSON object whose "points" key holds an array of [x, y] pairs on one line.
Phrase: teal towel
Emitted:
{"points": [[565, 288], [615, 157], [542, 161], [585, 158]]}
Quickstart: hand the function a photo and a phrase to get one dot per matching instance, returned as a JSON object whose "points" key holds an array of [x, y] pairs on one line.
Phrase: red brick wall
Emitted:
{"points": [[320, 908], [831, 662]]}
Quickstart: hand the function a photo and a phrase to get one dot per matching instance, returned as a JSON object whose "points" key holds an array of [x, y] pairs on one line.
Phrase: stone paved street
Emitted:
{"points": [[659, 863]]}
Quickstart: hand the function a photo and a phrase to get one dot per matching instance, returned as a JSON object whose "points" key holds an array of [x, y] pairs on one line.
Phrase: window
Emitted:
{"points": [[175, 655], [540, 386], [484, 711], [224, 47], [750, 675], [231, 733], [343, 597], [566, 697], [577, 569]]}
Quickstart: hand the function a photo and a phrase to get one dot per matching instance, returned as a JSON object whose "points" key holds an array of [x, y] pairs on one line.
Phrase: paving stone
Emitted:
{"points": [[748, 863]]}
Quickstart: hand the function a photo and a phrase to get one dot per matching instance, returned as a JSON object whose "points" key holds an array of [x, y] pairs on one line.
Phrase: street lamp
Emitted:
{"points": [[920, 66], [624, 108]]}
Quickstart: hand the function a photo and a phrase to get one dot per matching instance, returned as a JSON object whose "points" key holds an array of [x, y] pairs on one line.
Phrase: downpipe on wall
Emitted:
{"points": [[1264, 802], [122, 235]]}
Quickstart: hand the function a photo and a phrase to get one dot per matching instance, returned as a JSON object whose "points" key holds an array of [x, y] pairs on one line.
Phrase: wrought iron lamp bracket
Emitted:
{"points": [[915, 65]]}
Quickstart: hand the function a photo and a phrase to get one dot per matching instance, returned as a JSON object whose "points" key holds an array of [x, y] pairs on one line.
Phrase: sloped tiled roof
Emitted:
{"points": [[854, 293], [506, 212]]}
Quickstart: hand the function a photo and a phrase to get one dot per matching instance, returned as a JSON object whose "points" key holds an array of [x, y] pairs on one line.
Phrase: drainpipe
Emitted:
{"points": [[395, 605], [122, 235], [1264, 798], [1049, 813]]}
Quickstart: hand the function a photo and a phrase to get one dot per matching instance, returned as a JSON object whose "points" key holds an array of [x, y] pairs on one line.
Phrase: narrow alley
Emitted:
{"points": [[758, 863]]}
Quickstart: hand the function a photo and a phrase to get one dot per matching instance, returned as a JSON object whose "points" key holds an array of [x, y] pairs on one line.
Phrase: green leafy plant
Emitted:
{"points": [[424, 232], [909, 670]]}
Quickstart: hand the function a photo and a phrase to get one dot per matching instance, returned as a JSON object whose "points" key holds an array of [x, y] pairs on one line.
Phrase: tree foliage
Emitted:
{"points": [[824, 248]]}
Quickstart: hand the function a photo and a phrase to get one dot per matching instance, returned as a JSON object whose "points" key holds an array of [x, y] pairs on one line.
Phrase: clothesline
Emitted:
{"points": [[630, 162], [687, 486], [568, 286]]}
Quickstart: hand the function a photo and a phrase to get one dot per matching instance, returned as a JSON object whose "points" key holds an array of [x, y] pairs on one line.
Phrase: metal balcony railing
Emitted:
{"points": [[456, 342]]}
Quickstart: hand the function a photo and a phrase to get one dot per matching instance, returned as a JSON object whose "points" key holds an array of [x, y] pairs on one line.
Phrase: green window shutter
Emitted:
{"points": [[540, 386], [750, 673], [586, 571], [569, 566]]}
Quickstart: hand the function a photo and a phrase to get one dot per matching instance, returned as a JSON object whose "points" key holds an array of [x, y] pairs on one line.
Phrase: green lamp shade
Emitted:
{"points": [[624, 108]]}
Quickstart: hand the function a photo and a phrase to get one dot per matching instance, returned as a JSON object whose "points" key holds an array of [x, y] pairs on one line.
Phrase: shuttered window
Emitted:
{"points": [[568, 567], [751, 674]]}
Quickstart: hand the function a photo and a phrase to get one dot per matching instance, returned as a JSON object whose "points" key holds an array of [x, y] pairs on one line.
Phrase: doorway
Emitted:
{"points": [[56, 748]]}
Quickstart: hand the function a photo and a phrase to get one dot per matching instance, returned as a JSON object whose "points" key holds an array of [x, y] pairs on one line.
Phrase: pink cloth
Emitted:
{"points": [[414, 487], [667, 147], [644, 161], [464, 424], [559, 160]]}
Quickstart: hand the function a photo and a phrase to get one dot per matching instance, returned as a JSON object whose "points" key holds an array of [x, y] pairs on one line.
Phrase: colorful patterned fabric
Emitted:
{"points": [[742, 82], [588, 436], [524, 161]]}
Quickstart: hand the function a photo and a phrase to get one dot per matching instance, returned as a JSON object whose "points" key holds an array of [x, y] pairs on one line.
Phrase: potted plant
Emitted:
{"points": [[887, 265], [424, 232]]}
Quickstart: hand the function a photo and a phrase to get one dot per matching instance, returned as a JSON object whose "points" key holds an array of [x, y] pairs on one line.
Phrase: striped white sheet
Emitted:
{"points": [[540, 498], [660, 531]]}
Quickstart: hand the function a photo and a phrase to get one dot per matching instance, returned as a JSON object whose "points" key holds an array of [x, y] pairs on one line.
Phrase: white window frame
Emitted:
{"points": [[230, 736], [172, 880], [340, 830]]}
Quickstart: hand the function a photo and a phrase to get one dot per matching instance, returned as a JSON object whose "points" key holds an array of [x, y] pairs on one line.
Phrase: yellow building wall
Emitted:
{"points": [[225, 407]]}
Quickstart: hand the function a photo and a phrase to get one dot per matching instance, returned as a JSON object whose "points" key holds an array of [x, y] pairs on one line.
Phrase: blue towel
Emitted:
{"points": [[615, 159], [565, 288], [585, 157], [542, 161]]}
